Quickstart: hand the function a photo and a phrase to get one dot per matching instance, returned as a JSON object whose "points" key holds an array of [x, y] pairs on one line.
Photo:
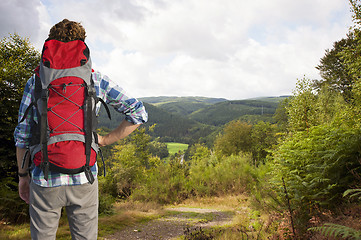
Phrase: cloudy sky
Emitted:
{"points": [[234, 49]]}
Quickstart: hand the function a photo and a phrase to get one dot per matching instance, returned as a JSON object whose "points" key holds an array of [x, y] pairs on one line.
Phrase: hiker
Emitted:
{"points": [[52, 182]]}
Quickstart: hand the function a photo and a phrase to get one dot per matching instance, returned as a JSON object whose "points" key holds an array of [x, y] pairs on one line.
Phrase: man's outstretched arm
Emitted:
{"points": [[123, 130]]}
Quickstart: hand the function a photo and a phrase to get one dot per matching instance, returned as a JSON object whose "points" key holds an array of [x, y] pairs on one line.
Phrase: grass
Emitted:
{"points": [[21, 231], [176, 147]]}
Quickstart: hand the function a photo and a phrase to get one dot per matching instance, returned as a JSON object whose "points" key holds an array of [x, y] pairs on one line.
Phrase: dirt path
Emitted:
{"points": [[175, 224]]}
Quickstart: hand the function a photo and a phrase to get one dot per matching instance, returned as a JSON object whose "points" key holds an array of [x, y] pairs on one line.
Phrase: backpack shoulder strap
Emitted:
{"points": [[88, 114], [106, 107], [44, 132]]}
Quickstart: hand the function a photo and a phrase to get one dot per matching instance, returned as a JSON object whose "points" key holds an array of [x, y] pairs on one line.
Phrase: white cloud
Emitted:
{"points": [[220, 48], [21, 17]]}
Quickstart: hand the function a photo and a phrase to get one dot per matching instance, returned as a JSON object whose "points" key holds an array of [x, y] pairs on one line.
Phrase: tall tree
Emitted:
{"points": [[301, 108], [333, 68], [18, 59], [352, 57], [352, 54], [235, 139]]}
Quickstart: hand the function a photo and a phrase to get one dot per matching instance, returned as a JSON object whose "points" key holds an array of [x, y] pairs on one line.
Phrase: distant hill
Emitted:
{"points": [[187, 119], [170, 127], [173, 127], [167, 99], [221, 113], [182, 105]]}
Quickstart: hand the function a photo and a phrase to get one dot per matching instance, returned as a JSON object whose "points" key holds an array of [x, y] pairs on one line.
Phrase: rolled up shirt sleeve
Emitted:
{"points": [[115, 96]]}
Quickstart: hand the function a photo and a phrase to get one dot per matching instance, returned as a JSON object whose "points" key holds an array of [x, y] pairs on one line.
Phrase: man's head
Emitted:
{"points": [[67, 31]]}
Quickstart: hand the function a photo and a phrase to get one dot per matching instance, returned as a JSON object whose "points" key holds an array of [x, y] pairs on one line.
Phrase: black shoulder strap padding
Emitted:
{"points": [[88, 132], [27, 111], [106, 107], [44, 132]]}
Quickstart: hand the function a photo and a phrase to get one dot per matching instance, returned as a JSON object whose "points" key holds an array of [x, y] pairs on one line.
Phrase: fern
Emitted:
{"points": [[339, 231], [353, 193]]}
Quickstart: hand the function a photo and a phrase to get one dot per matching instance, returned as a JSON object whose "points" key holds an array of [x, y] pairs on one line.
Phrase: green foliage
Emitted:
{"points": [[197, 152], [126, 169], [164, 183], [141, 140], [316, 165], [209, 176], [263, 139], [351, 54], [106, 200], [181, 105], [224, 112], [169, 127], [330, 105], [353, 193], [346, 62], [158, 149], [301, 108], [334, 70], [239, 137], [196, 119], [337, 231], [18, 59], [308, 108], [235, 139], [281, 114]]}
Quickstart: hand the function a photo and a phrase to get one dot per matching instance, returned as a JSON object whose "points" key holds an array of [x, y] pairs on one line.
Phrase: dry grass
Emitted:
{"points": [[230, 202], [18, 232], [128, 213]]}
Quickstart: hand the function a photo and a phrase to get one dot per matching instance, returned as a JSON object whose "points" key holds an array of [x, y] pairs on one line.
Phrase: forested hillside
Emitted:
{"points": [[223, 112], [182, 105], [187, 119]]}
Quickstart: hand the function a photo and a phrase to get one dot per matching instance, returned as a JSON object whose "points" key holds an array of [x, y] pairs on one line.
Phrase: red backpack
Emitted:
{"points": [[64, 139]]}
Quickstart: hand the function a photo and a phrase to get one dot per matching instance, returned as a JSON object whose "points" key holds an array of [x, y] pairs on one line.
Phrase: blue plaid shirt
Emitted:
{"points": [[107, 90]]}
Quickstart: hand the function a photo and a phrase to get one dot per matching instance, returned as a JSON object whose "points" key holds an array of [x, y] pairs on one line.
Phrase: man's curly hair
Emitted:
{"points": [[67, 31]]}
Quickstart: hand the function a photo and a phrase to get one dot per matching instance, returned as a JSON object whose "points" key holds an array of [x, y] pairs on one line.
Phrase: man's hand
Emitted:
{"points": [[101, 141], [24, 188]]}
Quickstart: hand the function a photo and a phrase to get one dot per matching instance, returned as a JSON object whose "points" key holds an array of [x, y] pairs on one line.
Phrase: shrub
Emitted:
{"points": [[209, 176], [317, 168], [106, 200], [164, 183]]}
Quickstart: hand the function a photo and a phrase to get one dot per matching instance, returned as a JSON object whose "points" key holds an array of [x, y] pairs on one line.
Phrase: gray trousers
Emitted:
{"points": [[80, 202]]}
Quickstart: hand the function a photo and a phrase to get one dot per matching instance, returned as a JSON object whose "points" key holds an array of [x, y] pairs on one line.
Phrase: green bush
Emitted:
{"points": [[317, 167], [106, 200], [164, 183], [209, 176]]}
